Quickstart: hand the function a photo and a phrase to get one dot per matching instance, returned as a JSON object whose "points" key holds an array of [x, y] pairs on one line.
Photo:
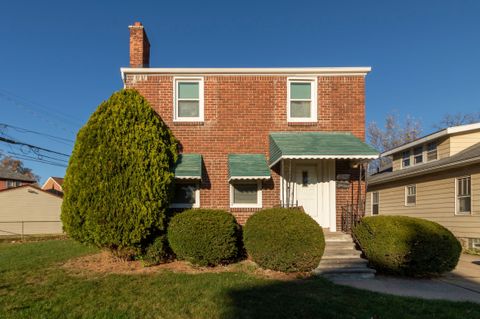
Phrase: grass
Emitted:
{"points": [[34, 285]]}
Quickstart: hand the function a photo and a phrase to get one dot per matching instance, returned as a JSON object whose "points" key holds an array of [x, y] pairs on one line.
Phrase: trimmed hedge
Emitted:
{"points": [[206, 237], [407, 246], [158, 252], [119, 178], [284, 239]]}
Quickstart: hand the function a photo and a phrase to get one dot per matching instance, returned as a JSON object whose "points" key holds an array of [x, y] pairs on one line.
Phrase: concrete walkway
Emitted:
{"points": [[462, 284]]}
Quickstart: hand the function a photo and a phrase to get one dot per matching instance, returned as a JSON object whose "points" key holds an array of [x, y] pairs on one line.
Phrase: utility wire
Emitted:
{"points": [[27, 158], [32, 147], [24, 130]]}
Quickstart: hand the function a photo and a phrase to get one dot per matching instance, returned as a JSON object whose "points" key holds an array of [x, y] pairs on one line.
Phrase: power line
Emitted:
{"points": [[32, 147], [24, 130], [32, 159]]}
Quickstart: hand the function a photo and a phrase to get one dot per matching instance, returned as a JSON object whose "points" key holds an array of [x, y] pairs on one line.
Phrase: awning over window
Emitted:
{"points": [[189, 166], [247, 166], [318, 145]]}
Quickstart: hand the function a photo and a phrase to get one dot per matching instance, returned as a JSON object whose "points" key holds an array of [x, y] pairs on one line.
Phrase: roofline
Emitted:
{"points": [[426, 171], [53, 179], [332, 71], [30, 185], [433, 136]]}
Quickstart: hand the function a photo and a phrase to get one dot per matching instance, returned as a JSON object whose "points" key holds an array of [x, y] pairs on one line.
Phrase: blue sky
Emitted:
{"points": [[60, 59]]}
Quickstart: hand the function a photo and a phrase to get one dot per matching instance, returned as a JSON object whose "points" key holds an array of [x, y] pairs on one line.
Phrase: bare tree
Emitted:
{"points": [[456, 119], [394, 133]]}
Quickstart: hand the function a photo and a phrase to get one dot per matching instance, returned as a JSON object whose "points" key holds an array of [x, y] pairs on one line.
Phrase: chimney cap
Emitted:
{"points": [[136, 24]]}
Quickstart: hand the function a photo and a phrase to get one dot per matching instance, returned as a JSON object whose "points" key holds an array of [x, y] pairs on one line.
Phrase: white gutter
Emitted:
{"points": [[249, 71], [433, 136], [324, 157]]}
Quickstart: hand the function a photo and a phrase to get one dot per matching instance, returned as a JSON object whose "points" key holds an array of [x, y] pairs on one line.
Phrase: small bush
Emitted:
{"points": [[158, 252], [205, 237], [283, 239], [407, 246]]}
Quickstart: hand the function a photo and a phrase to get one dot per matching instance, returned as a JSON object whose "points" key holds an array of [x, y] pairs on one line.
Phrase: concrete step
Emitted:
{"points": [[350, 270], [337, 278], [339, 245], [341, 254], [343, 263]]}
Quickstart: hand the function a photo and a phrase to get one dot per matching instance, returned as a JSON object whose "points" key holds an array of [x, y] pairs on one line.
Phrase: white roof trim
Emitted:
{"points": [[433, 136], [248, 177], [324, 157], [188, 177], [246, 71]]}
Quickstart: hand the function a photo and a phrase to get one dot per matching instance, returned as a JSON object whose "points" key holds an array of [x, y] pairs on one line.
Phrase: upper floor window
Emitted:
{"points": [[405, 158], [375, 203], [302, 100], [418, 155], [464, 195], [188, 100], [410, 195], [432, 151]]}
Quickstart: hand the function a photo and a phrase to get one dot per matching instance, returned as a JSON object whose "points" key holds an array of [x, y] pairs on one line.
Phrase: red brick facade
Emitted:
{"points": [[240, 112]]}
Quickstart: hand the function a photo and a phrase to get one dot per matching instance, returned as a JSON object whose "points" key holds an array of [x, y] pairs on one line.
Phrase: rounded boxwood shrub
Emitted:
{"points": [[407, 246], [284, 239], [158, 252], [118, 181], [206, 237]]}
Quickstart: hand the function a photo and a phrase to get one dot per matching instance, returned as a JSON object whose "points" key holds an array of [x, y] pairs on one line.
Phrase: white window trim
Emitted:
{"points": [[197, 197], [457, 213], [371, 204], [406, 195], [422, 154], [201, 110], [259, 195], [409, 158], [314, 105], [427, 151]]}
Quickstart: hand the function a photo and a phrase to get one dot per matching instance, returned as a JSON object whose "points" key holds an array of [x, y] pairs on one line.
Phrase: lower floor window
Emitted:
{"points": [[410, 195], [246, 194], [375, 203], [186, 195]]}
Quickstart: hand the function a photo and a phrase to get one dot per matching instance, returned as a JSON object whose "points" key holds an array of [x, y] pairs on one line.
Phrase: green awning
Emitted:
{"points": [[189, 166], [318, 145], [247, 166]]}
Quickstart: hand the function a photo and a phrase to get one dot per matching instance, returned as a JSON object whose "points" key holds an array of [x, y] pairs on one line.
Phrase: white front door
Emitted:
{"points": [[316, 191]]}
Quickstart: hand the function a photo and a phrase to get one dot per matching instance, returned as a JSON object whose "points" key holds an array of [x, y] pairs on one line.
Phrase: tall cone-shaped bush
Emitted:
{"points": [[119, 178]]}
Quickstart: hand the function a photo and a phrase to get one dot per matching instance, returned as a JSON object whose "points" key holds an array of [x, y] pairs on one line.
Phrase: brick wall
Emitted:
{"points": [[240, 112]]}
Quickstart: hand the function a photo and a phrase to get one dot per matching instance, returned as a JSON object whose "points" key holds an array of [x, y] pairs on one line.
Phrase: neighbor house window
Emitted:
{"points": [[375, 203], [188, 99], [464, 195], [410, 195], [418, 155], [302, 100], [12, 183], [406, 159], [246, 194], [186, 195], [432, 151]]}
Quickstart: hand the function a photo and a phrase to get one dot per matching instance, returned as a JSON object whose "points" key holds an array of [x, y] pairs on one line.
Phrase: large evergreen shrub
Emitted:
{"points": [[284, 239], [118, 181], [407, 246], [206, 237]]}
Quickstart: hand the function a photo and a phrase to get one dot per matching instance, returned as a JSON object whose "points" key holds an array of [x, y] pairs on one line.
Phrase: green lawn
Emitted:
{"points": [[33, 285]]}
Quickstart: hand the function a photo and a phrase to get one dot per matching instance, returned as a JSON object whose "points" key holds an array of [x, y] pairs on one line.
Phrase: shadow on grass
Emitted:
{"points": [[319, 298]]}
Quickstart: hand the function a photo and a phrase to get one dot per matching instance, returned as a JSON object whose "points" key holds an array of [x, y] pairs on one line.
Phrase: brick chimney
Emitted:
{"points": [[139, 47]]}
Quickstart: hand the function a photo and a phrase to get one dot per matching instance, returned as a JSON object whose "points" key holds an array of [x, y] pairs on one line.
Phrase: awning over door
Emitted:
{"points": [[247, 166], [189, 166], [318, 145]]}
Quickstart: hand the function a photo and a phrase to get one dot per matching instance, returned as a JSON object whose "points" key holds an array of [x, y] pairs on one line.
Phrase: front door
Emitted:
{"points": [[315, 191]]}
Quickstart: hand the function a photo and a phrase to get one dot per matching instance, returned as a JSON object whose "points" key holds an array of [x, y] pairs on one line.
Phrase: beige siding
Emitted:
{"points": [[435, 200], [397, 161], [462, 141], [32, 206], [443, 147]]}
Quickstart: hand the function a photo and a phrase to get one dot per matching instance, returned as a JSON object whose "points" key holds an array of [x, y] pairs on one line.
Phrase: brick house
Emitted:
{"points": [[253, 138], [11, 179]]}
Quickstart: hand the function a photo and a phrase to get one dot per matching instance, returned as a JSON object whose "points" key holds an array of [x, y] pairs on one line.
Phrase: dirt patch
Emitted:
{"points": [[106, 263]]}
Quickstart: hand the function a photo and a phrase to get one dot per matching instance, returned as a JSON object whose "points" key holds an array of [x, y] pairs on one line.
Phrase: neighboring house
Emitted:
{"points": [[29, 210], [436, 177], [254, 138], [54, 185], [10, 179]]}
